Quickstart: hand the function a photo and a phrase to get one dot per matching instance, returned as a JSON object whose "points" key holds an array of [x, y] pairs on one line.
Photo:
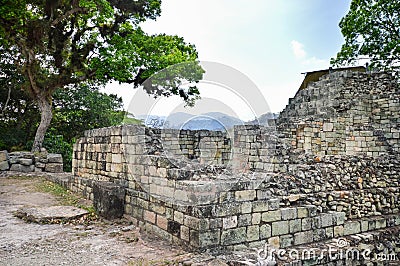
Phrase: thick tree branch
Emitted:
{"points": [[67, 14], [6, 103]]}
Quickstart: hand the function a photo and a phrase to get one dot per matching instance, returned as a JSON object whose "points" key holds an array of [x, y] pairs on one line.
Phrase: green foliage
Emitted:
{"points": [[130, 120], [64, 196], [76, 110], [18, 114], [57, 144], [56, 44], [85, 107], [98, 41], [371, 30]]}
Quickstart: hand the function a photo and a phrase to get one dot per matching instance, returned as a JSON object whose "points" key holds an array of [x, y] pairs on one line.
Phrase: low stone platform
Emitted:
{"points": [[53, 214], [26, 162]]}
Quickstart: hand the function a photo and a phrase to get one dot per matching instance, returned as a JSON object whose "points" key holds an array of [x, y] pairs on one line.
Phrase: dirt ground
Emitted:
{"points": [[97, 243]]}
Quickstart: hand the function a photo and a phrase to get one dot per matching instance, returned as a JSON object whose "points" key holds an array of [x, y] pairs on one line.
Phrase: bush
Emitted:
{"points": [[56, 144]]}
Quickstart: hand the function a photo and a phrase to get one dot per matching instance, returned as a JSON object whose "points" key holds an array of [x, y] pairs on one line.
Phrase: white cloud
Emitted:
{"points": [[315, 63], [309, 62], [298, 49]]}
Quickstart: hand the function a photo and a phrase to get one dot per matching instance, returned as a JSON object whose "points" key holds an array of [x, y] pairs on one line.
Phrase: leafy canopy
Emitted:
{"points": [[56, 44], [60, 42], [371, 30]]}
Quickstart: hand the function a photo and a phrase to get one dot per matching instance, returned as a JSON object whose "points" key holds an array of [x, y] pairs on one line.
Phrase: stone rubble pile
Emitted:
{"points": [[23, 161]]}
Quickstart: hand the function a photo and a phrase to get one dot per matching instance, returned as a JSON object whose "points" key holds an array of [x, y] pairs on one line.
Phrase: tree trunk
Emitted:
{"points": [[46, 115]]}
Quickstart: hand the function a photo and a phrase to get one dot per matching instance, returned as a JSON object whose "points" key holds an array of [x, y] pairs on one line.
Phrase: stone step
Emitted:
{"points": [[52, 214]]}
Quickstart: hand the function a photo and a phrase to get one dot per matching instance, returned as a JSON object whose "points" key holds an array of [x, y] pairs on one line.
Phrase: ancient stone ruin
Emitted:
{"points": [[23, 161], [327, 167]]}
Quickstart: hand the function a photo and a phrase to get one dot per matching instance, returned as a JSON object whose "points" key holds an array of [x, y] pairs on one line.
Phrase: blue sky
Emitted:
{"points": [[270, 41]]}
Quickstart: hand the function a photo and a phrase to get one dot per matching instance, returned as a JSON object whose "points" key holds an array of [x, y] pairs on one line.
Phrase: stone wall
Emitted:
{"points": [[208, 147], [30, 162], [345, 113], [328, 168]]}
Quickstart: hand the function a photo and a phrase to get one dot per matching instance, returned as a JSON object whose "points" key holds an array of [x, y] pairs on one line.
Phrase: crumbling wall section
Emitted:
{"points": [[329, 168], [345, 113]]}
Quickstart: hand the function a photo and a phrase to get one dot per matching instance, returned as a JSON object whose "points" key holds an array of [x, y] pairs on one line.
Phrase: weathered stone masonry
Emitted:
{"points": [[329, 168], [23, 161]]}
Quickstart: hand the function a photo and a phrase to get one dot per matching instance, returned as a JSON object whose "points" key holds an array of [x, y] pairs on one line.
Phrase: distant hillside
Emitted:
{"points": [[263, 119], [209, 121], [215, 121]]}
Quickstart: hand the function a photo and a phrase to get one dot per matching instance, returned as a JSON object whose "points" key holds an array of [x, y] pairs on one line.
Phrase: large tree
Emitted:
{"points": [[371, 30], [58, 43]]}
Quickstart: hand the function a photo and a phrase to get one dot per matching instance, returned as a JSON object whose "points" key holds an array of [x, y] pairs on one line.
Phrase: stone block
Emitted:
{"points": [[303, 237], [339, 218], [286, 241], [246, 207], [260, 206], [245, 195], [274, 242], [178, 217], [191, 222], [215, 223], [327, 127], [3, 156], [271, 216], [265, 231], [173, 228], [4, 166], [306, 224], [280, 228], [351, 228], [364, 225], [256, 218], [209, 238], [22, 168], [302, 212], [149, 216], [316, 222], [25, 162], [233, 236], [185, 233], [295, 226], [329, 232], [108, 199], [40, 165], [380, 223], [162, 222], [244, 220], [273, 204], [117, 158], [338, 230], [326, 220], [319, 234], [54, 158], [289, 213], [253, 233], [229, 222], [54, 167], [312, 210]]}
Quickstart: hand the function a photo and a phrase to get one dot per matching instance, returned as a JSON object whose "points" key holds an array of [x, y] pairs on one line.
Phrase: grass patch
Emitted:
{"points": [[64, 196], [20, 177]]}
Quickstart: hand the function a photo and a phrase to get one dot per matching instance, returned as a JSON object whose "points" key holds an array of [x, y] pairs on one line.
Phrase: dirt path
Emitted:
{"points": [[100, 243]]}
